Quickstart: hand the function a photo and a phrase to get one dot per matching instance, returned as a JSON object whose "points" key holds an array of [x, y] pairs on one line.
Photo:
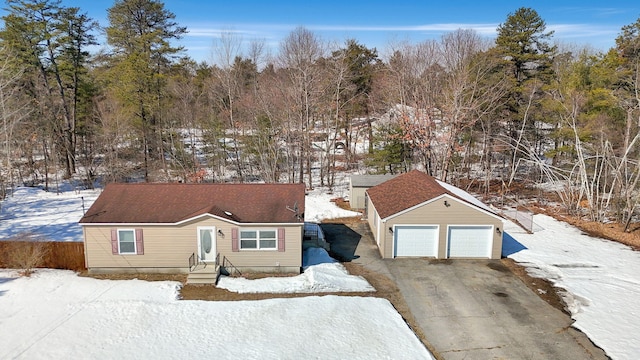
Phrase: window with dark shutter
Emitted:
{"points": [[139, 242], [127, 242], [114, 241], [281, 239], [234, 239]]}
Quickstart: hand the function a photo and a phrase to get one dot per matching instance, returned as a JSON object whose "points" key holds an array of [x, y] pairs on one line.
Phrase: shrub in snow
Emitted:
{"points": [[26, 253]]}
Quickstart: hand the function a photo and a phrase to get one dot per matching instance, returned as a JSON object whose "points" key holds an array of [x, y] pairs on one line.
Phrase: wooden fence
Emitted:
{"points": [[59, 255]]}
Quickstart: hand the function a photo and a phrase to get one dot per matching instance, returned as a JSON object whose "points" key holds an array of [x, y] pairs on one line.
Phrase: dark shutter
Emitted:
{"points": [[139, 242], [234, 239], [114, 241], [281, 239]]}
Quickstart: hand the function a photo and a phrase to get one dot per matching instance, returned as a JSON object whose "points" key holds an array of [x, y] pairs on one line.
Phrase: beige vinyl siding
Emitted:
{"points": [[373, 219], [356, 197], [291, 257], [436, 213], [170, 246]]}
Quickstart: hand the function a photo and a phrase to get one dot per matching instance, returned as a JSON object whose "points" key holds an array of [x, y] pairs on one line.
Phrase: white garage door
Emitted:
{"points": [[416, 241], [469, 242]]}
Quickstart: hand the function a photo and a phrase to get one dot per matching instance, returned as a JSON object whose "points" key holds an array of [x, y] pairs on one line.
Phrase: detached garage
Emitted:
{"points": [[415, 215]]}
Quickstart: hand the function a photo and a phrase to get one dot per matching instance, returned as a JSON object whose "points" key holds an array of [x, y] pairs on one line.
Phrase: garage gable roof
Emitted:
{"points": [[173, 203], [414, 188]]}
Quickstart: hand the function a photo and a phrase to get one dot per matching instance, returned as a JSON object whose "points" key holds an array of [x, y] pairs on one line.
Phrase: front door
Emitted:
{"points": [[207, 244]]}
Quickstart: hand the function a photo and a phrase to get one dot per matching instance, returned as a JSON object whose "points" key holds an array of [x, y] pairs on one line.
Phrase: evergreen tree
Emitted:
{"points": [[523, 46], [524, 42], [49, 41], [140, 32]]}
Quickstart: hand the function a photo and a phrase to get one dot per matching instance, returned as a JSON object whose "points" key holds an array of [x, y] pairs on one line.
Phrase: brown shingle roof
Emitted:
{"points": [[407, 190], [172, 203]]}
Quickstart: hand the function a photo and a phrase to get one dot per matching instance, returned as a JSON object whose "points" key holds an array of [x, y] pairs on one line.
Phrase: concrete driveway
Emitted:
{"points": [[478, 309]]}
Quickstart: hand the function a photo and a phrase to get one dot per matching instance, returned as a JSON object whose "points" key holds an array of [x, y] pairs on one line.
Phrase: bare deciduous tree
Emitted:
{"points": [[298, 55]]}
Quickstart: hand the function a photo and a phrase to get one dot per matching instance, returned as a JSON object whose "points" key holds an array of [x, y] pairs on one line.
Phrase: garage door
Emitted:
{"points": [[416, 241], [469, 241]]}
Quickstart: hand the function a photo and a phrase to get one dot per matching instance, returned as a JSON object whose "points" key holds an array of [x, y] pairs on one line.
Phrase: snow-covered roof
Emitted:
{"points": [[465, 196]]}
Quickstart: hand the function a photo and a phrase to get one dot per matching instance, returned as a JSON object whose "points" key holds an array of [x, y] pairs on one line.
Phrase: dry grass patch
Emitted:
{"points": [[213, 293], [610, 231], [542, 287], [181, 278], [345, 220], [341, 203]]}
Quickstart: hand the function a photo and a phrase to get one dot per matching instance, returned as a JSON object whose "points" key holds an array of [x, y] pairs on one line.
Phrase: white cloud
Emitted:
{"points": [[481, 28]]}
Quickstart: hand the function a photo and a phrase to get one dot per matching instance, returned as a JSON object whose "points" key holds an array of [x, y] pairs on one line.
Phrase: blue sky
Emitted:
{"points": [[377, 23]]}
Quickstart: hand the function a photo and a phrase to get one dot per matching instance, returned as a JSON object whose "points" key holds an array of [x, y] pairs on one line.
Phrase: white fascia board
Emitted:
{"points": [[192, 219], [448, 197]]}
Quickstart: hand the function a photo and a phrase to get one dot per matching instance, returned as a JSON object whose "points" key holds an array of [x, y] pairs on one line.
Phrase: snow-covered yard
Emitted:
{"points": [[57, 315], [600, 278], [49, 215]]}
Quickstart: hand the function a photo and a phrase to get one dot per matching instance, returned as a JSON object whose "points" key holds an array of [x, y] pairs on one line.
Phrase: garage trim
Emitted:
{"points": [[436, 241], [476, 250], [441, 197]]}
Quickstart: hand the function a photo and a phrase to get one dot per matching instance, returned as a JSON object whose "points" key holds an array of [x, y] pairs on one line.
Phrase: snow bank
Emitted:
{"points": [[57, 315], [599, 278], [315, 256], [330, 277]]}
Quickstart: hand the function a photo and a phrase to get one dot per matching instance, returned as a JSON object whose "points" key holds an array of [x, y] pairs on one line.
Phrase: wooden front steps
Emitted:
{"points": [[204, 275]]}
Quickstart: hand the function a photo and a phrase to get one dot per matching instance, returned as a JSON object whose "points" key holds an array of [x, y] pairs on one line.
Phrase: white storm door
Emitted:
{"points": [[207, 244]]}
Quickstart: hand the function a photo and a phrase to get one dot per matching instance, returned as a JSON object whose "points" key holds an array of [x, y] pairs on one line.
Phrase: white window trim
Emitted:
{"points": [[135, 242], [257, 248]]}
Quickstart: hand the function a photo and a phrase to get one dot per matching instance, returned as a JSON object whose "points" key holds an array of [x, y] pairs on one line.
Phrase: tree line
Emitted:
{"points": [[519, 107]]}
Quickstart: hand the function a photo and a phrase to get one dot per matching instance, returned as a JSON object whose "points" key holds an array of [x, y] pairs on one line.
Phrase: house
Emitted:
{"points": [[179, 227], [415, 215], [358, 185]]}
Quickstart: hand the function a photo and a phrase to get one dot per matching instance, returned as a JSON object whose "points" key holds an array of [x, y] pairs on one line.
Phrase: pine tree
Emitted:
{"points": [[140, 32], [523, 46], [49, 41]]}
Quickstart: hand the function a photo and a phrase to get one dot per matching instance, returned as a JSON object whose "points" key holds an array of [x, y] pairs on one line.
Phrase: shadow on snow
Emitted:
{"points": [[510, 245]]}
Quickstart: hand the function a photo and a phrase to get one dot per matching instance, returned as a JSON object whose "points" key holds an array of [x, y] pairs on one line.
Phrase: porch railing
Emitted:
{"points": [[192, 262], [229, 267]]}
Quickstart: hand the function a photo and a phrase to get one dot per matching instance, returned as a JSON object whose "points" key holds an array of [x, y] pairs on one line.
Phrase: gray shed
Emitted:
{"points": [[359, 184]]}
